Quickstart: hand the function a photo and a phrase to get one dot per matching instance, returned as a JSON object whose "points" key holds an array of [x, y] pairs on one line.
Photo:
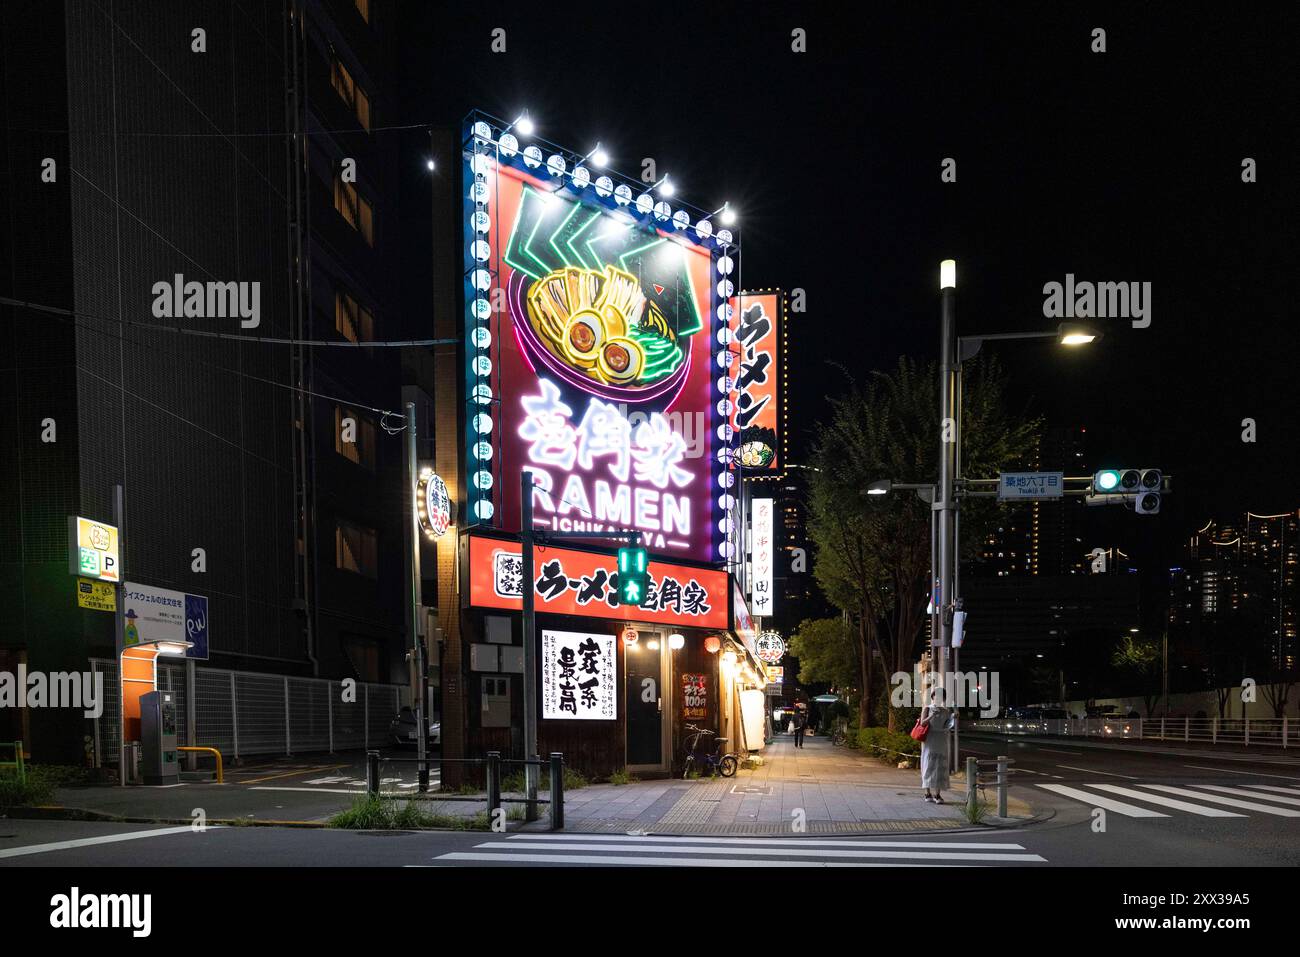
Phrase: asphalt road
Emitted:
{"points": [[1196, 809], [1105, 807]]}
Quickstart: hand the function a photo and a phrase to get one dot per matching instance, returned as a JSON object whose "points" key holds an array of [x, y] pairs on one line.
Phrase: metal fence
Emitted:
{"points": [[245, 712], [1242, 732]]}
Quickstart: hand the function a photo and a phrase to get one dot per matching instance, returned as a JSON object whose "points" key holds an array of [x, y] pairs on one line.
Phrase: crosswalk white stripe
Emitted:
{"points": [[595, 845], [663, 861], [1242, 792], [1231, 802], [1166, 802], [800, 841], [1094, 800], [1274, 787]]}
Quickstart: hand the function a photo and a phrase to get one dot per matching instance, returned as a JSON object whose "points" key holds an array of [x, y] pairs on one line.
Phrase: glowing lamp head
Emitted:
{"points": [[676, 641], [948, 274], [525, 125], [728, 216], [600, 158], [712, 644], [666, 188], [1076, 334]]}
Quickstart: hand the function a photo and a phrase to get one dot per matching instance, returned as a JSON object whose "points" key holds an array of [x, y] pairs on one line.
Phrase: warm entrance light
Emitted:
{"points": [[676, 641]]}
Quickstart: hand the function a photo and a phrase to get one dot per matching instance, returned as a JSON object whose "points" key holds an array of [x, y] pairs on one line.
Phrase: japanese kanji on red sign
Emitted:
{"points": [[571, 582]]}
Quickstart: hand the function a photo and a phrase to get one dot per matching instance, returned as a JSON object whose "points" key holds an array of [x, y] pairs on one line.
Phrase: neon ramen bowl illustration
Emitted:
{"points": [[597, 330]]}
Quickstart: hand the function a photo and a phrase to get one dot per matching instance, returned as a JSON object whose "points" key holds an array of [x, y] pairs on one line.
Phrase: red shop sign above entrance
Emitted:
{"points": [[571, 582]]}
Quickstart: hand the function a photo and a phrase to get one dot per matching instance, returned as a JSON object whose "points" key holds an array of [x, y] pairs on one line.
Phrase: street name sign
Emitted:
{"points": [[1030, 485]]}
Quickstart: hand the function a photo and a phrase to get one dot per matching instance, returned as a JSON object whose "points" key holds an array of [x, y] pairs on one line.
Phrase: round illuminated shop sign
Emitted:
{"points": [[770, 647], [630, 635], [434, 505]]}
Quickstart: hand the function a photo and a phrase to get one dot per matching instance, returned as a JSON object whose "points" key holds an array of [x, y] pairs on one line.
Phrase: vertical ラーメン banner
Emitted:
{"points": [[578, 676], [758, 413], [597, 360], [762, 558]]}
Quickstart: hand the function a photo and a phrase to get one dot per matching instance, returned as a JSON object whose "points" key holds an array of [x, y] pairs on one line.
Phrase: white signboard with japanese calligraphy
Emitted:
{"points": [[578, 676], [762, 558], [1014, 485]]}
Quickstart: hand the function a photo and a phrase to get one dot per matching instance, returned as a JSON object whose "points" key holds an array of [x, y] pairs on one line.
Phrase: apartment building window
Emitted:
{"points": [[354, 208], [363, 8], [354, 436], [356, 549], [353, 321], [350, 91]]}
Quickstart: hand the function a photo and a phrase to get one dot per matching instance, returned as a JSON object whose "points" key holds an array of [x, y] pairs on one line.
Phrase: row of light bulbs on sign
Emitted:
{"points": [[604, 186]]}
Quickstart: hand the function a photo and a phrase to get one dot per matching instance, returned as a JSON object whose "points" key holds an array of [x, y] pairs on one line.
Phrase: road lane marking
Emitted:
{"points": [[1110, 804], [292, 774], [1242, 792], [1109, 774], [1249, 774], [90, 841], [801, 841], [595, 843], [1231, 802], [1043, 773], [360, 790], [1166, 802], [1271, 787], [639, 861], [1074, 754]]}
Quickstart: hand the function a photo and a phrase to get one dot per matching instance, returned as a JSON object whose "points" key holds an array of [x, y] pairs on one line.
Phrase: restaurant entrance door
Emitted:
{"points": [[644, 705]]}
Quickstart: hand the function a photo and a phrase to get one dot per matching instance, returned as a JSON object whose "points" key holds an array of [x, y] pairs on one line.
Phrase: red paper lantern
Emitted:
{"points": [[712, 644]]}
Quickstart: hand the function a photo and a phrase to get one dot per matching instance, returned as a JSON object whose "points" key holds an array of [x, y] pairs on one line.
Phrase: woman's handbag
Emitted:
{"points": [[919, 730]]}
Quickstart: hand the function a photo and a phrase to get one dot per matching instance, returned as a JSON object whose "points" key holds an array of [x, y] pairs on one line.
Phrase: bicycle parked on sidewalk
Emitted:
{"points": [[839, 733], [714, 759]]}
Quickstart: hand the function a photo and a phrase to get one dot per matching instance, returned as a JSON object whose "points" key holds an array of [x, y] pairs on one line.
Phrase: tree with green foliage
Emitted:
{"points": [[1140, 657], [872, 554], [827, 652]]}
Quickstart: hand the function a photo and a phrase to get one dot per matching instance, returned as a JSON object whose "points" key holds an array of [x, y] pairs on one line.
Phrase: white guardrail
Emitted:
{"points": [[1242, 732]]}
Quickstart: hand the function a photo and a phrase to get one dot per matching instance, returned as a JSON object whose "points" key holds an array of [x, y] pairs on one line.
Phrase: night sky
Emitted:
{"points": [[1115, 166]]}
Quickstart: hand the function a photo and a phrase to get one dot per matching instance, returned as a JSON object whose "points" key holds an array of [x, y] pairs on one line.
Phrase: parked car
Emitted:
{"points": [[402, 729]]}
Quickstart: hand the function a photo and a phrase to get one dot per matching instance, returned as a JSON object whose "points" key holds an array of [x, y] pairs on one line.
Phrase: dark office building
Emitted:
{"points": [[147, 147], [1048, 593]]}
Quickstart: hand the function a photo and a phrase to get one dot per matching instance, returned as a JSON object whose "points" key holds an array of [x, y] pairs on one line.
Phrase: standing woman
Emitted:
{"points": [[934, 750]]}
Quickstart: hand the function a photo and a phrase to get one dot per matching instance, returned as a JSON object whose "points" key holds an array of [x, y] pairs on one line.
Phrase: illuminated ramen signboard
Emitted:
{"points": [[598, 320]]}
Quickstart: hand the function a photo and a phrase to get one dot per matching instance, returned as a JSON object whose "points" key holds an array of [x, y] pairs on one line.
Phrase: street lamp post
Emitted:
{"points": [[949, 438]]}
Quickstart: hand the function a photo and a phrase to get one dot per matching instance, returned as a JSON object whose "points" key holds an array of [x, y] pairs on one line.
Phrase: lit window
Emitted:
{"points": [[353, 95], [354, 208], [356, 549], [356, 443], [352, 321]]}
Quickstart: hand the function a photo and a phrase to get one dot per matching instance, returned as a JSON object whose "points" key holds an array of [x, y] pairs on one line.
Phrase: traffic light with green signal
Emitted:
{"points": [[633, 575], [1139, 486]]}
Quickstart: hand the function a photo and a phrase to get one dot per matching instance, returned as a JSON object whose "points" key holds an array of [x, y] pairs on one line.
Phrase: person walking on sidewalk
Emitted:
{"points": [[800, 722], [934, 750]]}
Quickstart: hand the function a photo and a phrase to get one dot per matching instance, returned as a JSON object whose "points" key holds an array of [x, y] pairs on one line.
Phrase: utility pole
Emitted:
{"points": [[949, 439], [119, 628], [529, 616], [417, 650]]}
